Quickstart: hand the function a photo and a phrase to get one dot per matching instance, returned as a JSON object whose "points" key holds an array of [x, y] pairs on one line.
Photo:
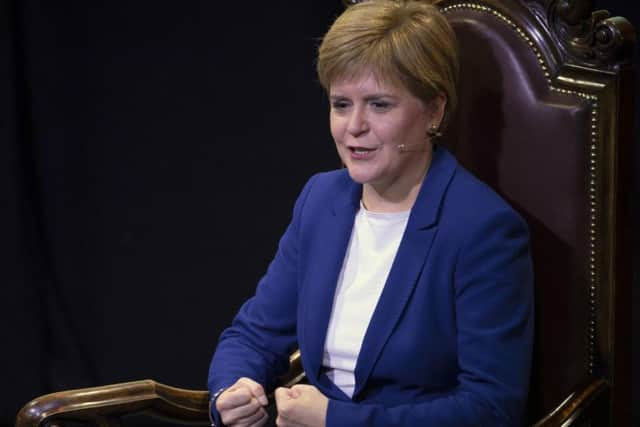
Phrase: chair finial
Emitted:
{"points": [[590, 38]]}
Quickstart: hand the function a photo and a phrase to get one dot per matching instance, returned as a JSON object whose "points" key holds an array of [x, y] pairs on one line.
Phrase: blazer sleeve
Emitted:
{"points": [[263, 333], [493, 285]]}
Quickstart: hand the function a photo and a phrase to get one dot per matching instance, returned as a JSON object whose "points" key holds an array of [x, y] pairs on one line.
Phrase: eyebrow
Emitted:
{"points": [[372, 97]]}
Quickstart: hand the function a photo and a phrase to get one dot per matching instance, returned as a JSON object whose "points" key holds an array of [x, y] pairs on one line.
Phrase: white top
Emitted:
{"points": [[372, 248]]}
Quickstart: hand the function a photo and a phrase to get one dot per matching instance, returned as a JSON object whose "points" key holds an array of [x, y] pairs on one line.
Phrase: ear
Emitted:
{"points": [[437, 108]]}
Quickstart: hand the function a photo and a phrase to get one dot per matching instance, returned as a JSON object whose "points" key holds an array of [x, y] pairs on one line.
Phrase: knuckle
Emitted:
{"points": [[222, 402], [246, 381], [225, 418], [284, 408], [258, 417], [254, 405], [244, 393]]}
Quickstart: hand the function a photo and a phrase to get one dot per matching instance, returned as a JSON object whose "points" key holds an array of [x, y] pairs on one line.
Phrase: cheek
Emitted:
{"points": [[389, 134], [336, 128], [408, 132]]}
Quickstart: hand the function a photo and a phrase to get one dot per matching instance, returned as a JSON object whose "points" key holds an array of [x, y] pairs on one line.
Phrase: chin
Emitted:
{"points": [[361, 177]]}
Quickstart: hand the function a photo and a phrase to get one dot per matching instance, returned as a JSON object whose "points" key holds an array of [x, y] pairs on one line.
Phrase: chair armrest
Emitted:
{"points": [[577, 404], [106, 404]]}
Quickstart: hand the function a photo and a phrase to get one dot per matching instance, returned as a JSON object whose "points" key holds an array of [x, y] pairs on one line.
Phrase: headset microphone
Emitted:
{"points": [[406, 148]]}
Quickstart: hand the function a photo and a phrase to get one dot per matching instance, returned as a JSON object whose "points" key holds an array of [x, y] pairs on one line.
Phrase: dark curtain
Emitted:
{"points": [[150, 155]]}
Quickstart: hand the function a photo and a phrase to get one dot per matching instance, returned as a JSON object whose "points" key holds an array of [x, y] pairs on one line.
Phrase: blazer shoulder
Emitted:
{"points": [[326, 186], [471, 200], [332, 179]]}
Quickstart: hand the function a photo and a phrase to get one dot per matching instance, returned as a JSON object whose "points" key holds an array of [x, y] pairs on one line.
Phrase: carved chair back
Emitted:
{"points": [[542, 120]]}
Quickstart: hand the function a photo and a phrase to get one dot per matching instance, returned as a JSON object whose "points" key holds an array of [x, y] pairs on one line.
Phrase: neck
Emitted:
{"points": [[400, 194]]}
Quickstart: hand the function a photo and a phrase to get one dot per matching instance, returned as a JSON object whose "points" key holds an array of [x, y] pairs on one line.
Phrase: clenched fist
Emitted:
{"points": [[241, 405], [301, 406]]}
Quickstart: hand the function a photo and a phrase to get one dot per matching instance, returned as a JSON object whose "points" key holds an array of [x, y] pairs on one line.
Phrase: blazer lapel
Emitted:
{"points": [[334, 231], [408, 263]]}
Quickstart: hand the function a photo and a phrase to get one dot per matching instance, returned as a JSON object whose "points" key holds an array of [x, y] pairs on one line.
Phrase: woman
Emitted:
{"points": [[405, 282]]}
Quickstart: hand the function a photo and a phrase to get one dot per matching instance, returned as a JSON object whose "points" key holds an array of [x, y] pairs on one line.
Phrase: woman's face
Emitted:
{"points": [[370, 119]]}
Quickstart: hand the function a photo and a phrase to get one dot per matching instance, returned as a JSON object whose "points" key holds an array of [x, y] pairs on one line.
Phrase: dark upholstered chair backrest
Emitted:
{"points": [[540, 124]]}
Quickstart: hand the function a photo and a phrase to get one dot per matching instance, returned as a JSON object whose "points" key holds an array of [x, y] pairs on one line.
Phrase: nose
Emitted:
{"points": [[357, 122]]}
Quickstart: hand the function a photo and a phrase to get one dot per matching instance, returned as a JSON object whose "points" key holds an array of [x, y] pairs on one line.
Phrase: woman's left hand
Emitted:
{"points": [[301, 405]]}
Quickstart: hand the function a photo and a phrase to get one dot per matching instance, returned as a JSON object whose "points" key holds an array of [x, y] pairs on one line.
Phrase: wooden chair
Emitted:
{"points": [[545, 118]]}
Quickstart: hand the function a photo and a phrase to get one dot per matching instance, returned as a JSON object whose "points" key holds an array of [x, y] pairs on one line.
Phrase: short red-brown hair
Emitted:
{"points": [[406, 42]]}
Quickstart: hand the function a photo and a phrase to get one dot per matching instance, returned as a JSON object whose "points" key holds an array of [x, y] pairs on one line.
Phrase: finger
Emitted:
{"points": [[256, 420], [233, 397], [240, 413], [294, 393], [304, 388], [281, 394], [253, 420], [285, 393], [262, 421], [285, 405], [256, 390], [285, 422], [282, 399]]}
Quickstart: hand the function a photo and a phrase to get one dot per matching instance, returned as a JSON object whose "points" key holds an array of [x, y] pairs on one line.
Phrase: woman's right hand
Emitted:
{"points": [[241, 405]]}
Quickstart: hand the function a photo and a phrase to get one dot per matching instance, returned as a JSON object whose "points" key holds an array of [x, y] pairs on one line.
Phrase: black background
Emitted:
{"points": [[150, 155]]}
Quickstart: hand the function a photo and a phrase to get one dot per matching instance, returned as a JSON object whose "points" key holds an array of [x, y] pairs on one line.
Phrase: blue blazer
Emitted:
{"points": [[450, 340]]}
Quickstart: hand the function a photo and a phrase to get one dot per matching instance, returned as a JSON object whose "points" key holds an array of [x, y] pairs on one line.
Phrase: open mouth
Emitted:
{"points": [[362, 150], [362, 153]]}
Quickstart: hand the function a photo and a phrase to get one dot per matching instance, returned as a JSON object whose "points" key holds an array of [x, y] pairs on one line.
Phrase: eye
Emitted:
{"points": [[339, 105], [381, 106]]}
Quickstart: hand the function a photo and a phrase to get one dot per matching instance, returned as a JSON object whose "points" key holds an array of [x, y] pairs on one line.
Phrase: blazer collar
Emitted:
{"points": [[430, 197], [347, 201]]}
